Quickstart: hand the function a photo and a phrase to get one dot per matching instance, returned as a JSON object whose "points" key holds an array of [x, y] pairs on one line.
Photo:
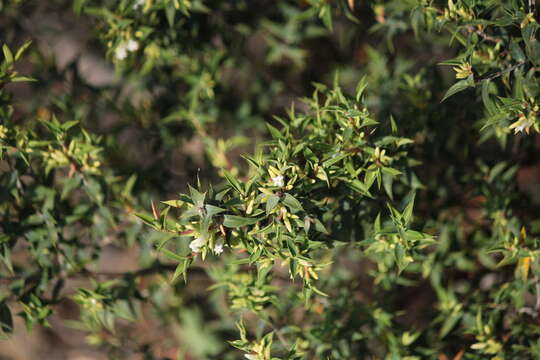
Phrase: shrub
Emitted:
{"points": [[392, 214]]}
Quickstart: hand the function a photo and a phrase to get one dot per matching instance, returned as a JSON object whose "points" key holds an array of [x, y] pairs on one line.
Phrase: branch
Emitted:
{"points": [[483, 35], [499, 73]]}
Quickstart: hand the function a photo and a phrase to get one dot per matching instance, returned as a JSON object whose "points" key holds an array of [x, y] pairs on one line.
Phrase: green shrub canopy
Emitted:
{"points": [[273, 179]]}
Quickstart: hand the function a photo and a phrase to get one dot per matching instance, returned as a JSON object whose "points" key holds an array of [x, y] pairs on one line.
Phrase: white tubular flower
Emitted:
{"points": [[196, 244], [278, 181], [524, 126], [121, 52], [218, 248], [521, 125]]}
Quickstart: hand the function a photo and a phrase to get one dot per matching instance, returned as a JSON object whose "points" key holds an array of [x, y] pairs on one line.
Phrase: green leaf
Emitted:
{"points": [[170, 11], [6, 321], [401, 257], [407, 213], [171, 255], [388, 181], [70, 184], [7, 54], [369, 178], [516, 52], [408, 338], [271, 203], [276, 134], [486, 99], [292, 203], [146, 218], [173, 203], [359, 186], [233, 221], [393, 125], [94, 191], [22, 49], [326, 14], [334, 160], [233, 182], [128, 188], [362, 84], [212, 210], [319, 226], [69, 124], [181, 269], [22, 79], [459, 86], [196, 196], [292, 247], [5, 253], [377, 224], [449, 324], [390, 171]]}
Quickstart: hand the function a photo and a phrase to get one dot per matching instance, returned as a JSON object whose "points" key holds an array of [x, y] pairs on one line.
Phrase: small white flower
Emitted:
{"points": [[132, 45], [278, 180], [121, 52], [218, 248], [196, 244], [251, 357], [138, 4], [524, 125], [124, 48]]}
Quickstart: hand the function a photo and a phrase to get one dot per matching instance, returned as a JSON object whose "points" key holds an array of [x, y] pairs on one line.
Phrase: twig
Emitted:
{"points": [[537, 286], [499, 73], [483, 35]]}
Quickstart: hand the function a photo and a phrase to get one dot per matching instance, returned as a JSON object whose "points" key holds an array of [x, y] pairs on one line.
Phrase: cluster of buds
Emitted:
{"points": [[287, 216], [463, 71], [487, 344], [453, 12], [379, 157], [529, 18]]}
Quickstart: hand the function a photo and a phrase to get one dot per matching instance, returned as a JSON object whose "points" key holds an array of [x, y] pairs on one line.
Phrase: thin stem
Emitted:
{"points": [[500, 73], [537, 287], [483, 35]]}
